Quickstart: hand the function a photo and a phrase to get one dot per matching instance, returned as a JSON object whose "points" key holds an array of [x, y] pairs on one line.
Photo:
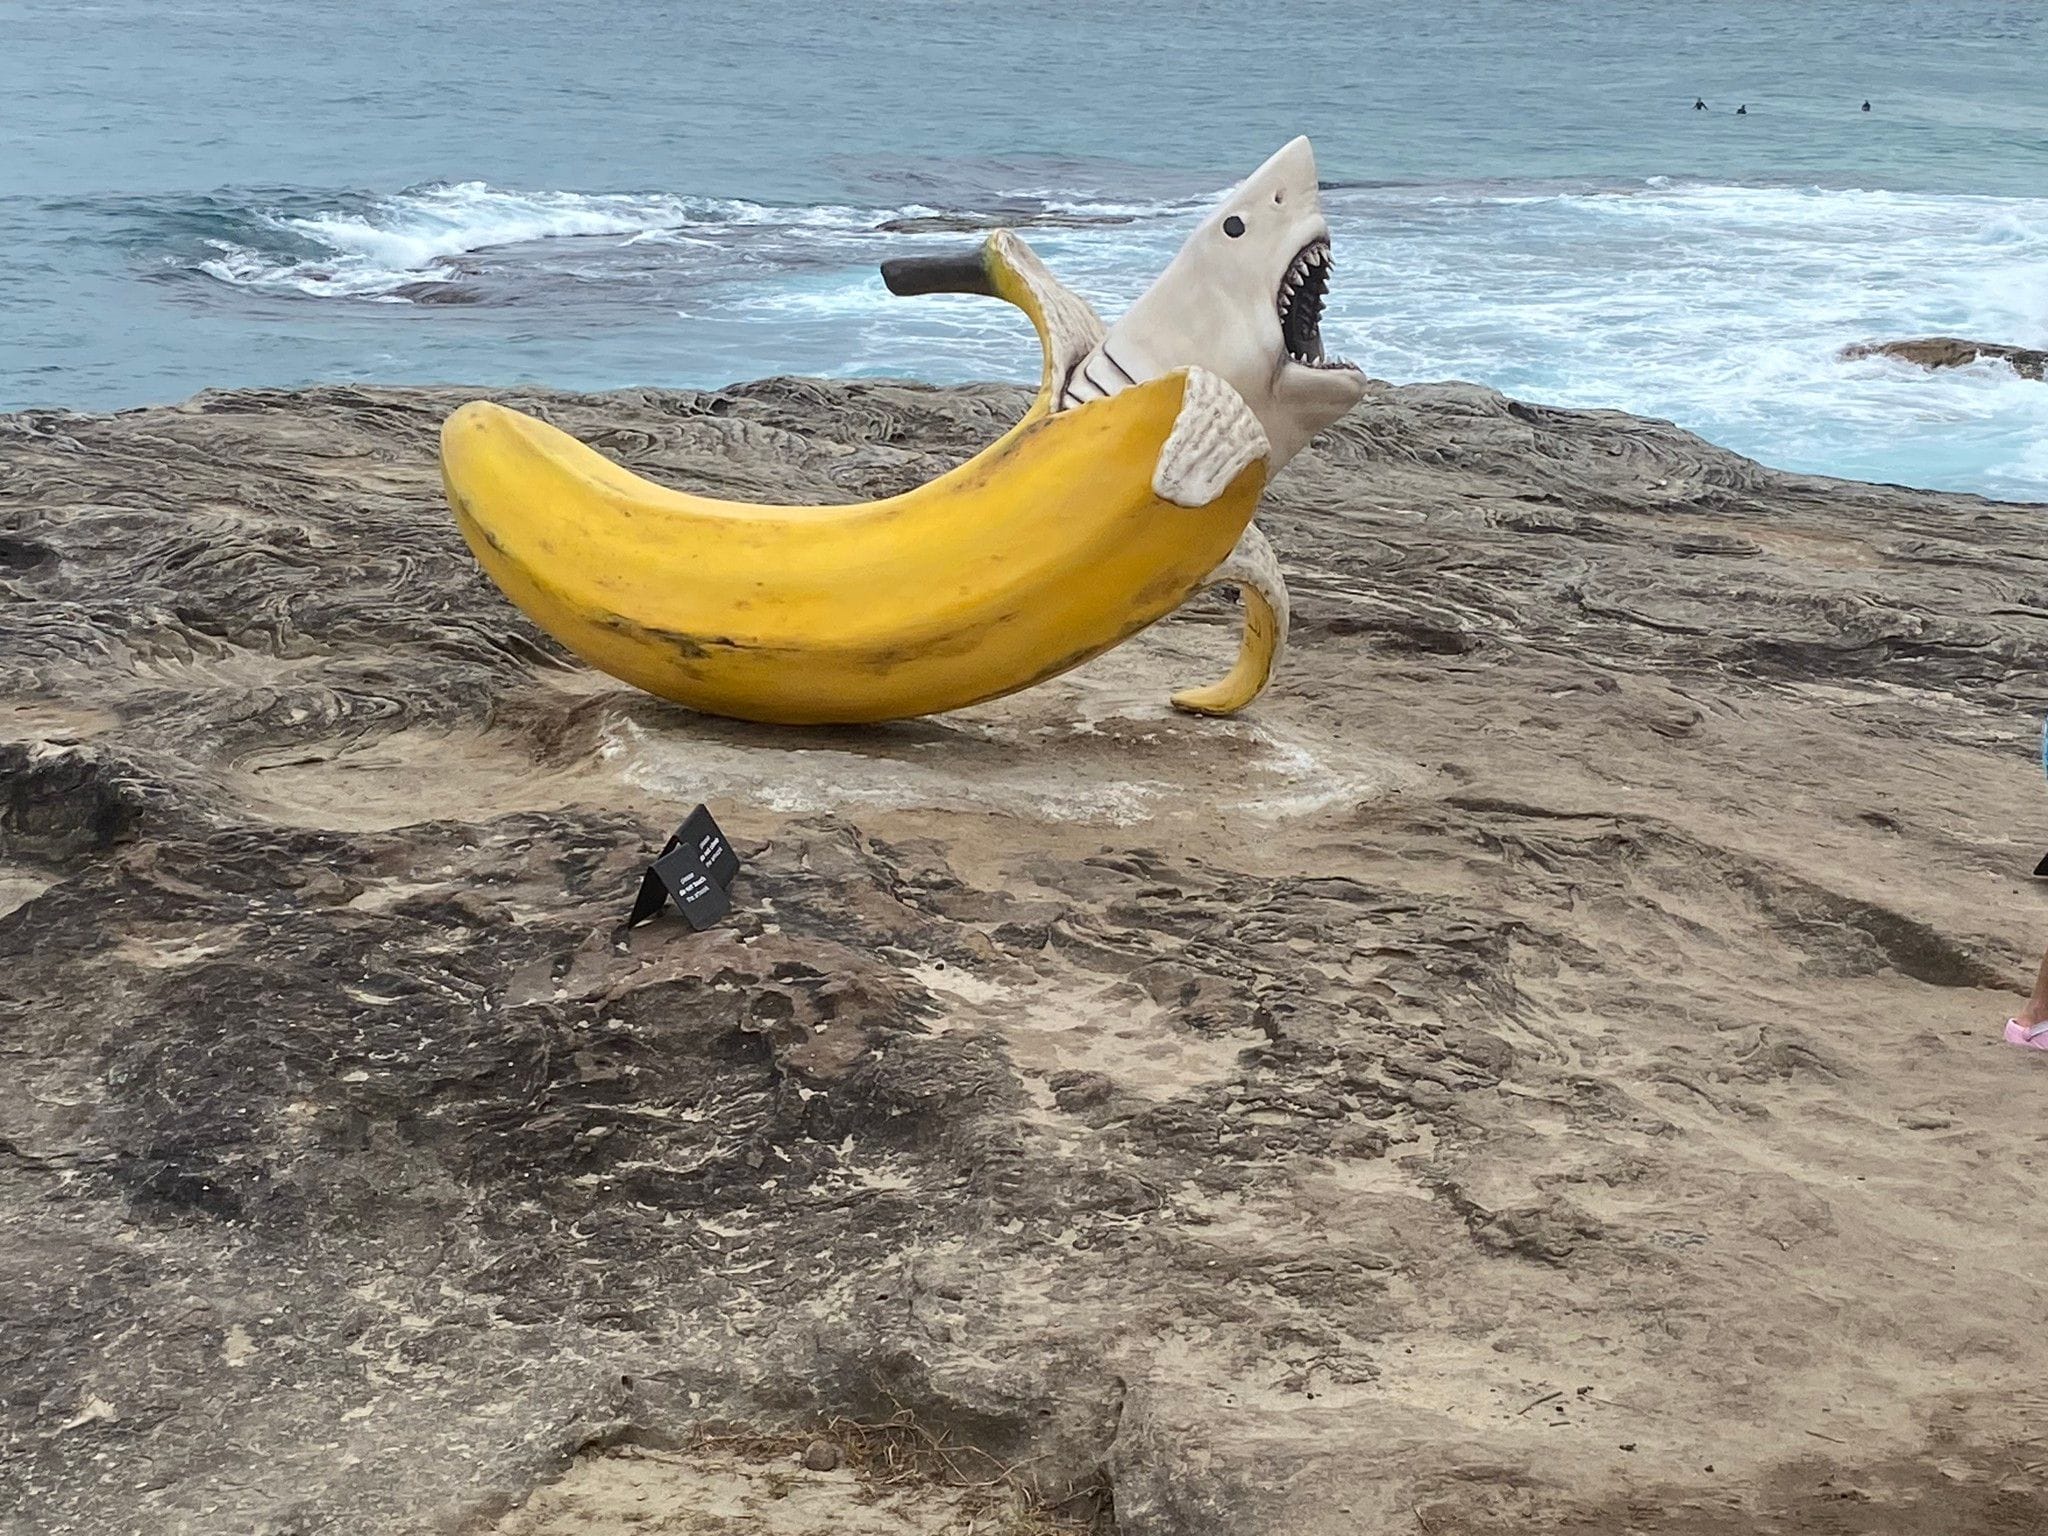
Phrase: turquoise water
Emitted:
{"points": [[220, 192]]}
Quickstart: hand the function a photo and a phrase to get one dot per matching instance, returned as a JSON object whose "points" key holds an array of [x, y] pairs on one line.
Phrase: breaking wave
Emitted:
{"points": [[385, 247], [389, 244], [1722, 307]]}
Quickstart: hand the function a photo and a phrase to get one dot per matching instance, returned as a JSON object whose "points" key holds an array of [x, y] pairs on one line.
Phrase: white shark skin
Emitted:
{"points": [[1216, 307], [1215, 434]]}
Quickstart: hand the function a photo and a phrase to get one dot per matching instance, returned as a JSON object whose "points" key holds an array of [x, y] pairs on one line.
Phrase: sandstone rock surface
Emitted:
{"points": [[1538, 1071]]}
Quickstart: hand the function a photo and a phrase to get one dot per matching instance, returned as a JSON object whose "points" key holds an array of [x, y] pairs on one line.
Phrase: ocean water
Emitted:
{"points": [[590, 193]]}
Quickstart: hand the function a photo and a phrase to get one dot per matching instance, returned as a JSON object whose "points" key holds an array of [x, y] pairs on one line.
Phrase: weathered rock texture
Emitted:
{"points": [[1536, 1072], [1954, 352]]}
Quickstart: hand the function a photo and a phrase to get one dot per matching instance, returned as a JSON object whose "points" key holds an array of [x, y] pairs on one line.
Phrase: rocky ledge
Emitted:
{"points": [[1538, 1071]]}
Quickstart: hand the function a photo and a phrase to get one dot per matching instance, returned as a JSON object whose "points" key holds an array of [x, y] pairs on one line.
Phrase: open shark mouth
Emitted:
{"points": [[1300, 302]]}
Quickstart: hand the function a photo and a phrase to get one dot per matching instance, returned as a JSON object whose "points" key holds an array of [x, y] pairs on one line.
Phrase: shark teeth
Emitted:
{"points": [[1303, 288]]}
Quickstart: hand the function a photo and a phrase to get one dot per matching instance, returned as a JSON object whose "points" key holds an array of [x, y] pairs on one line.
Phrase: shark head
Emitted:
{"points": [[1244, 299]]}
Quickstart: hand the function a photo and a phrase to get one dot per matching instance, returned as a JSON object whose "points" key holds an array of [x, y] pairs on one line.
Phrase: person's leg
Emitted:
{"points": [[2036, 1011], [2030, 1025]]}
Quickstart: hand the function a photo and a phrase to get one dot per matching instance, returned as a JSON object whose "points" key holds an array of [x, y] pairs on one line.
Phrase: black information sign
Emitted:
{"points": [[695, 870]]}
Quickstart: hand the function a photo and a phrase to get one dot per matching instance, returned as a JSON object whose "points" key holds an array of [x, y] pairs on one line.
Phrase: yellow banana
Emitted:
{"points": [[1069, 534]]}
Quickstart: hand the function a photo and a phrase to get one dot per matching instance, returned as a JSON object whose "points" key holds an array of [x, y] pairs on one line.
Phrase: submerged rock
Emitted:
{"points": [[437, 291], [963, 223], [1560, 1017], [1954, 352]]}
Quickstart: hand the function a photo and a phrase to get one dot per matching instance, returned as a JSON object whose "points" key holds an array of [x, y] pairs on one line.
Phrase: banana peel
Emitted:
{"points": [[1068, 332], [1070, 533]]}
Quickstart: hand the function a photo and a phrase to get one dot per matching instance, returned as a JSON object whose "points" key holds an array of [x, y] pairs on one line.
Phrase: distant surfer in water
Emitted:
{"points": [[1866, 106], [1699, 103], [1743, 110]]}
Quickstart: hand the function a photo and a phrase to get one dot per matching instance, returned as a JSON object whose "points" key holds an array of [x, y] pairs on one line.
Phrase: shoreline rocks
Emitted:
{"points": [[1954, 352], [1537, 1067]]}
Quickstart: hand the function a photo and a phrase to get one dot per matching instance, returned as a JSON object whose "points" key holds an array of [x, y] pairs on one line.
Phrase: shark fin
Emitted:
{"points": [[1254, 570], [1214, 438]]}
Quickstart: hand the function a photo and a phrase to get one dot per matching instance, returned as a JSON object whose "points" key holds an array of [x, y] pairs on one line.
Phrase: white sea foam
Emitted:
{"points": [[1112, 209], [410, 232], [1724, 308], [411, 237]]}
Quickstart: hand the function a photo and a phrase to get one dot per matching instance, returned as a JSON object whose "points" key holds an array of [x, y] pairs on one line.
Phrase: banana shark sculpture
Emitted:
{"points": [[1129, 485]]}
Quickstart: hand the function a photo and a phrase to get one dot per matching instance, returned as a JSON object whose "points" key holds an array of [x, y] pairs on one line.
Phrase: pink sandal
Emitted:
{"points": [[2034, 1037]]}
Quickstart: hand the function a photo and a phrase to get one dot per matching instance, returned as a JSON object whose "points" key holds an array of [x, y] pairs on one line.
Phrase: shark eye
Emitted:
{"points": [[1233, 226]]}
